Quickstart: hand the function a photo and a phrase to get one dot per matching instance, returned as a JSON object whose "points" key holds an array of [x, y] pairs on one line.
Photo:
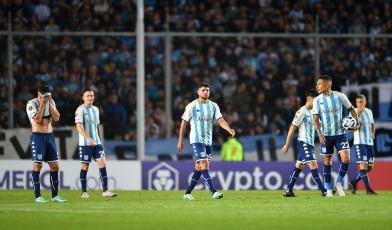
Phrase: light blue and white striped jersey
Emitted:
{"points": [[363, 136], [89, 117], [201, 116], [330, 110], [304, 121], [32, 108]]}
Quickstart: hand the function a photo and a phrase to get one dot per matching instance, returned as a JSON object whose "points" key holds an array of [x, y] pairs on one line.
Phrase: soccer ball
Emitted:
{"points": [[349, 123]]}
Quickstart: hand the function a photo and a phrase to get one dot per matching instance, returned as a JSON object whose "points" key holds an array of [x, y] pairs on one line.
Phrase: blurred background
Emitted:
{"points": [[259, 57]]}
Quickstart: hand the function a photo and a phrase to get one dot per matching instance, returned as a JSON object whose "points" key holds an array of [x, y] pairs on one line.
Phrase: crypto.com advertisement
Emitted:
{"points": [[167, 175]]}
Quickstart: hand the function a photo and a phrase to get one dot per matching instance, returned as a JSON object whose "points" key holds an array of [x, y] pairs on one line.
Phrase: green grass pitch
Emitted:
{"points": [[240, 210]]}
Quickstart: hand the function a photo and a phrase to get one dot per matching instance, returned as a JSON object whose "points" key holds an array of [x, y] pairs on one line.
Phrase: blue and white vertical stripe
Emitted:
{"points": [[304, 121], [330, 110], [363, 136], [201, 117], [89, 117]]}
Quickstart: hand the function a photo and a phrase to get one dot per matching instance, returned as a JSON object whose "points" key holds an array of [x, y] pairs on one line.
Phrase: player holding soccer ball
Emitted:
{"points": [[87, 120], [328, 108], [304, 121], [363, 143], [201, 114]]}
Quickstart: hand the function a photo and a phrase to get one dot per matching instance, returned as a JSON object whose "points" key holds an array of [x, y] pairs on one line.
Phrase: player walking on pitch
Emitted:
{"points": [[363, 143], [201, 114], [328, 108], [41, 111], [304, 121], [87, 120]]}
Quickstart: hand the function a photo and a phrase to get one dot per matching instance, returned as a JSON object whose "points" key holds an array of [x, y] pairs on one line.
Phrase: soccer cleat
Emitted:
{"points": [[58, 199], [353, 187], [371, 192], [188, 197], [108, 193], [217, 195], [85, 195], [340, 190], [329, 193], [40, 199], [289, 194]]}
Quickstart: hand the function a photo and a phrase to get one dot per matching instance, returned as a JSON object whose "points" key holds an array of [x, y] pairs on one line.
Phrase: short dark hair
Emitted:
{"points": [[42, 89], [361, 96], [203, 84], [86, 90], [325, 78], [311, 93]]}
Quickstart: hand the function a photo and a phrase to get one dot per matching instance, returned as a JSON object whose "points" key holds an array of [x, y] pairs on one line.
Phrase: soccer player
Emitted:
{"points": [[363, 143], [328, 108], [304, 121], [87, 120], [201, 114], [41, 111]]}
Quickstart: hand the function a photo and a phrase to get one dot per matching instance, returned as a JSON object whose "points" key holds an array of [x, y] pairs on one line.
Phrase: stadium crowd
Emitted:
{"points": [[259, 83]]}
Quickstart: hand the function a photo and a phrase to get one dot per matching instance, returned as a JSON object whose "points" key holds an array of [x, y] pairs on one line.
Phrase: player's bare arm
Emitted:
{"points": [[288, 140], [80, 129], [55, 114], [180, 144], [226, 126], [316, 119], [373, 131]]}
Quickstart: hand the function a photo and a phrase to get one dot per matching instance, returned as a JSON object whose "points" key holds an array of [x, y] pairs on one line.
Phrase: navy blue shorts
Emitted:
{"points": [[305, 153], [201, 151], [340, 142], [365, 154], [43, 147], [87, 152]]}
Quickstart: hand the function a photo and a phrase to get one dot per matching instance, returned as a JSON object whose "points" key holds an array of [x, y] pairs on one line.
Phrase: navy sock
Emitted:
{"points": [[54, 182], [207, 178], [342, 172], [328, 176], [83, 180], [104, 178], [193, 182], [365, 178], [357, 178], [36, 183], [293, 178], [317, 179]]}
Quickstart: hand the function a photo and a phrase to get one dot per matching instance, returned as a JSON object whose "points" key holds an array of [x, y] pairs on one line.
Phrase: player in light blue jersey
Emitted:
{"points": [[41, 111], [328, 108], [87, 120], [363, 143], [201, 113], [304, 121]]}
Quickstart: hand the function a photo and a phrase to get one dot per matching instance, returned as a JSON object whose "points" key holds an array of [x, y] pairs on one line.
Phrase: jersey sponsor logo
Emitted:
{"points": [[330, 110], [204, 119]]}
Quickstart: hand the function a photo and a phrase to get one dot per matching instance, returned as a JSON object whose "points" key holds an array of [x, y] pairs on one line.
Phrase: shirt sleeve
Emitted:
{"points": [[31, 110], [79, 115], [298, 118], [97, 111], [218, 114], [315, 110], [345, 102], [187, 116]]}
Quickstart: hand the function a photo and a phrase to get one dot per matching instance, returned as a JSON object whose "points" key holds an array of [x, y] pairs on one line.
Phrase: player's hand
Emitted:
{"points": [[322, 139], [285, 149], [43, 100], [90, 141], [180, 146], [353, 129], [232, 132], [373, 137]]}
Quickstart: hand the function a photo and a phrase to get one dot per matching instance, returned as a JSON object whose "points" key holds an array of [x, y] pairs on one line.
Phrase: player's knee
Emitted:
{"points": [[203, 164], [369, 168], [327, 160], [37, 167], [54, 168]]}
